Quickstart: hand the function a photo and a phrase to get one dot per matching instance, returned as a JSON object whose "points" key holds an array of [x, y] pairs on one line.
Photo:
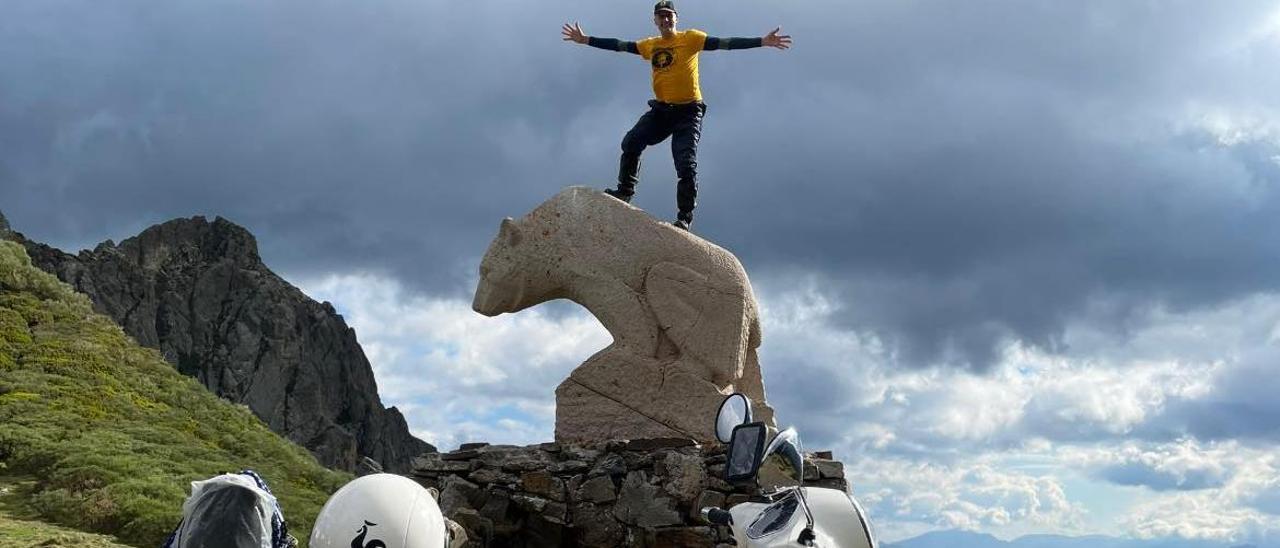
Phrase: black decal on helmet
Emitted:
{"points": [[358, 542]]}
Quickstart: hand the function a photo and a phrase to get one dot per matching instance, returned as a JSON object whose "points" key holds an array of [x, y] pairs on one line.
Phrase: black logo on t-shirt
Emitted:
{"points": [[662, 58]]}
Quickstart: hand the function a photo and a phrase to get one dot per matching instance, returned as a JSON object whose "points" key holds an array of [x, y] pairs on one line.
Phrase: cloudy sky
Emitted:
{"points": [[1017, 259]]}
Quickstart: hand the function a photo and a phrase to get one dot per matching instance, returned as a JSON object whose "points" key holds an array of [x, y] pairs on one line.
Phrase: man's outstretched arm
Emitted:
{"points": [[573, 33], [773, 40]]}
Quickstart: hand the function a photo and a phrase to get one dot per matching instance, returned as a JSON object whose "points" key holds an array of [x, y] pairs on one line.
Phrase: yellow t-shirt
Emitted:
{"points": [[675, 65]]}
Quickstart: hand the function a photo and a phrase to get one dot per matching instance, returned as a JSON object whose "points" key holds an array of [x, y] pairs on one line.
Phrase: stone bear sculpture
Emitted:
{"points": [[680, 309]]}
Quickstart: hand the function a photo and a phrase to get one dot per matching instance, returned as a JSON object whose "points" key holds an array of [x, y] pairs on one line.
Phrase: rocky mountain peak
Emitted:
{"points": [[4, 224], [192, 239], [198, 292]]}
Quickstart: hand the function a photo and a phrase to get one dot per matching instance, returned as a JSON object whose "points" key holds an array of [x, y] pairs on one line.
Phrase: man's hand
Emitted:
{"points": [[773, 39], [574, 33]]}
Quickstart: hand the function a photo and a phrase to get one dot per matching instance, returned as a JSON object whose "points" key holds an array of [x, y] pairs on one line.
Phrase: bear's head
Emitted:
{"points": [[513, 275]]}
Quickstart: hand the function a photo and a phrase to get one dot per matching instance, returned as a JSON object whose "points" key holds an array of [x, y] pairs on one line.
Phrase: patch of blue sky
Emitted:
{"points": [[447, 348], [1106, 503], [1031, 464], [493, 416]]}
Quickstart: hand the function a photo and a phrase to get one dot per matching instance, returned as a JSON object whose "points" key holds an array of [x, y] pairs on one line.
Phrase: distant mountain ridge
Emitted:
{"points": [[199, 293], [969, 539]]}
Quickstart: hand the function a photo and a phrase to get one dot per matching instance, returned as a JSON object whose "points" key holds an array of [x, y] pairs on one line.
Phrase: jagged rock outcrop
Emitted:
{"points": [[199, 293], [681, 311], [617, 493]]}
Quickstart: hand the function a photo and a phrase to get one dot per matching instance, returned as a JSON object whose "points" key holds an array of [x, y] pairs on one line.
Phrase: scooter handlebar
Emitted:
{"points": [[716, 516]]}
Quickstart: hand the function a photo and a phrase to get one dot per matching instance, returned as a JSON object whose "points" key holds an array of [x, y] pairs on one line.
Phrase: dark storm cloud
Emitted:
{"points": [[372, 134], [983, 172], [959, 173], [1138, 473]]}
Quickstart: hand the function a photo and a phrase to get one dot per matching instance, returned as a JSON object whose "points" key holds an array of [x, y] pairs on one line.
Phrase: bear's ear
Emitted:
{"points": [[509, 232]]}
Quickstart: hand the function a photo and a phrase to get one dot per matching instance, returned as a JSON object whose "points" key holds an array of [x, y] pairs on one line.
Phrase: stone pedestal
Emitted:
{"points": [[617, 395], [641, 493]]}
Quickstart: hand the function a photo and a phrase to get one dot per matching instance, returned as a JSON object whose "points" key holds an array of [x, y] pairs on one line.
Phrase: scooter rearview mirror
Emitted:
{"points": [[745, 449], [735, 410]]}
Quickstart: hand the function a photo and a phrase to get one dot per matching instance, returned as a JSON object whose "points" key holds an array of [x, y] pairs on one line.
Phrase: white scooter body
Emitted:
{"points": [[839, 522], [791, 515]]}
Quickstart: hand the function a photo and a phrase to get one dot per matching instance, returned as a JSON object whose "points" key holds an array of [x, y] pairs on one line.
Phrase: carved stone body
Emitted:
{"points": [[680, 309]]}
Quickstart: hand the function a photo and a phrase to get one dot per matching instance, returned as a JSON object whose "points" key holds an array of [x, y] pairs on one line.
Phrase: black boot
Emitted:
{"points": [[684, 221], [618, 194], [628, 169]]}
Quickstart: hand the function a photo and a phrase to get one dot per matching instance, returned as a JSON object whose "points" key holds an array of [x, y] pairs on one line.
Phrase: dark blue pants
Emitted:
{"points": [[683, 123]]}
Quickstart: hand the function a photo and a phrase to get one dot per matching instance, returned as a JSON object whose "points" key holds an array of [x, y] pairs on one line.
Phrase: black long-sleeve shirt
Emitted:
{"points": [[713, 42]]}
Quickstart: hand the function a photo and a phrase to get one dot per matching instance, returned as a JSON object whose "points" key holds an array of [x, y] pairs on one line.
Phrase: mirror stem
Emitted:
{"points": [[806, 536]]}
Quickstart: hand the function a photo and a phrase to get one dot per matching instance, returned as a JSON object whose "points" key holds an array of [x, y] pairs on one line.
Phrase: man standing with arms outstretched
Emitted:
{"points": [[678, 108]]}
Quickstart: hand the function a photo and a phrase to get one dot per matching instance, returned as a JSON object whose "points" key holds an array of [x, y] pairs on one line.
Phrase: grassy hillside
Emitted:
{"points": [[110, 435], [21, 528]]}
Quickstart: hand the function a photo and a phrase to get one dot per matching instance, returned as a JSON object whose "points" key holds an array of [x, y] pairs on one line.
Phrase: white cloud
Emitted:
{"points": [[1201, 515], [1181, 465], [459, 376], [1089, 399], [905, 496], [821, 375]]}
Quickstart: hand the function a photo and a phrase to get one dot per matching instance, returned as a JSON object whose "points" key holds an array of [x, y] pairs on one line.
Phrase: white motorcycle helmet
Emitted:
{"points": [[380, 511]]}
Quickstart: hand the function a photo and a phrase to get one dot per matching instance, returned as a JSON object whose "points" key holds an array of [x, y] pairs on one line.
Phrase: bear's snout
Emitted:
{"points": [[494, 298]]}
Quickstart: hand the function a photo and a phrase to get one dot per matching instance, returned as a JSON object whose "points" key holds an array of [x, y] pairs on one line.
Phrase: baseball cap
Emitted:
{"points": [[664, 5]]}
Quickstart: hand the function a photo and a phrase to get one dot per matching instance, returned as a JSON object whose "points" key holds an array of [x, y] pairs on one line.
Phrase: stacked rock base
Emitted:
{"points": [[641, 493]]}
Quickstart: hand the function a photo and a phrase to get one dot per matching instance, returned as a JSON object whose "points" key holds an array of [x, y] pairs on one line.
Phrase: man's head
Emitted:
{"points": [[664, 17]]}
